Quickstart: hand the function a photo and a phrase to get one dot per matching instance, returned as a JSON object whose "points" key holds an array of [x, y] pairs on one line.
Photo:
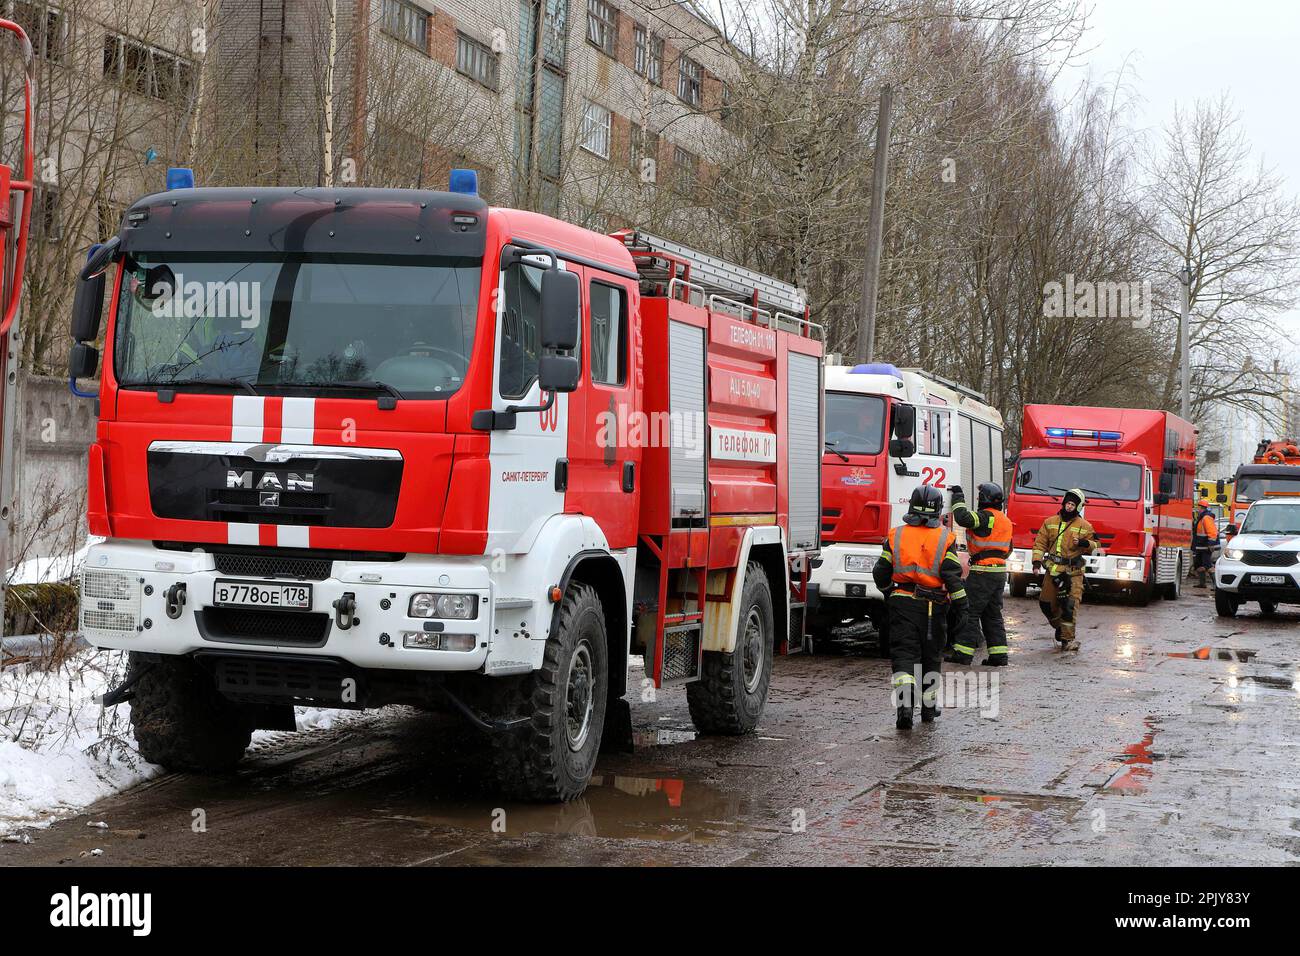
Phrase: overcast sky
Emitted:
{"points": [[1197, 49]]}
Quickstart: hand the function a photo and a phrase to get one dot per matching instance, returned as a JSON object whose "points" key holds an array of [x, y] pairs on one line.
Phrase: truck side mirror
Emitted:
{"points": [[558, 373], [1161, 498], [1166, 484], [904, 423], [1230, 530], [87, 305], [83, 361], [901, 447], [100, 257], [561, 310]]}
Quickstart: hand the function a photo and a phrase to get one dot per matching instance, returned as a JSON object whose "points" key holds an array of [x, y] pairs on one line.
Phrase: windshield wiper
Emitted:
{"points": [[204, 382], [1089, 491], [830, 446], [369, 386]]}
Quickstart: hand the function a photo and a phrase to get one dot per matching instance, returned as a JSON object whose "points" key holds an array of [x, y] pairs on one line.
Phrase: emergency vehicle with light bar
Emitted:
{"points": [[889, 430], [1136, 467], [452, 455], [1273, 473]]}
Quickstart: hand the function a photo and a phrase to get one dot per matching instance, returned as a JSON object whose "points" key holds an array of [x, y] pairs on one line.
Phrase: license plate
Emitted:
{"points": [[1268, 579], [295, 597]]}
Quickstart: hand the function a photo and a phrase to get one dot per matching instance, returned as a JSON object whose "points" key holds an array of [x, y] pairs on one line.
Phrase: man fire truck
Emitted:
{"points": [[1273, 473], [453, 454], [15, 221], [1136, 467], [889, 431]]}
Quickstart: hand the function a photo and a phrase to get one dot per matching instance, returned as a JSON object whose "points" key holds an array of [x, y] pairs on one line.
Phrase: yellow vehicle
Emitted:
{"points": [[1220, 494]]}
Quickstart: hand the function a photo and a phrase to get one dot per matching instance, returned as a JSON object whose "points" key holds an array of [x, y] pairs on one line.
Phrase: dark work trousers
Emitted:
{"points": [[918, 633], [984, 616]]}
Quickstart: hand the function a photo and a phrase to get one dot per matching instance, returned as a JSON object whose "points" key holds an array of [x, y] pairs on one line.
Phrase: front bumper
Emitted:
{"points": [[833, 580], [124, 598], [1120, 569], [1246, 581]]}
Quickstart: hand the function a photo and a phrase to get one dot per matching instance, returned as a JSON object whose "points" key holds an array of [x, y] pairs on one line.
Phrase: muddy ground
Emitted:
{"points": [[1169, 738]]}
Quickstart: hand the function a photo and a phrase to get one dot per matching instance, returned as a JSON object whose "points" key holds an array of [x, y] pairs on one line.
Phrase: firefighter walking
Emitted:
{"points": [[1059, 549], [1205, 538], [988, 543], [919, 571]]}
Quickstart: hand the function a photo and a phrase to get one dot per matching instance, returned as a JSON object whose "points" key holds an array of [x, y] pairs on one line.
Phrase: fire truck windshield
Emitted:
{"points": [[1099, 479], [281, 325], [855, 424], [1255, 487]]}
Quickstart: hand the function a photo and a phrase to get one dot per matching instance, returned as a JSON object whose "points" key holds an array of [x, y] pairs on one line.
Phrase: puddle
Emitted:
{"points": [[1137, 763], [1230, 654], [643, 808], [662, 737]]}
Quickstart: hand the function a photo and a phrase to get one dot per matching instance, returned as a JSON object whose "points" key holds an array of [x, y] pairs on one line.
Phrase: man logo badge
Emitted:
{"points": [[271, 481]]}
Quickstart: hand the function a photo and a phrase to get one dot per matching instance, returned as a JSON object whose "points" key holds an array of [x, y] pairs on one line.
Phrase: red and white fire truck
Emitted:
{"points": [[889, 430], [428, 451], [1137, 468]]}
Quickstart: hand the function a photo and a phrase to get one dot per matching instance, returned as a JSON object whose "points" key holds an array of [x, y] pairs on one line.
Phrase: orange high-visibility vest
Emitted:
{"points": [[991, 551], [1206, 527], [918, 552]]}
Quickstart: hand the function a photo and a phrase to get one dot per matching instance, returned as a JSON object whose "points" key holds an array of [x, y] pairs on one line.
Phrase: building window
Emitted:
{"points": [[643, 153], [689, 77], [686, 171], [727, 109], [406, 22], [146, 70], [608, 334], [602, 26], [477, 61], [649, 54], [45, 27], [596, 121]]}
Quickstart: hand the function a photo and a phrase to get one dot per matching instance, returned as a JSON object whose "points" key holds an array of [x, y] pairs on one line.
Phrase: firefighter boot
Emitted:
{"points": [[997, 657], [929, 712], [959, 654], [904, 721]]}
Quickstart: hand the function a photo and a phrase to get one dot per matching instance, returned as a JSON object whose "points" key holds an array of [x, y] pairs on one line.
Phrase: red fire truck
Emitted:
{"points": [[1137, 468], [15, 221], [436, 452]]}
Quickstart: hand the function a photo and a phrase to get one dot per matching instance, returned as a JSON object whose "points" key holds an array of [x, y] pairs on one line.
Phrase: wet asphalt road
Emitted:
{"points": [[1169, 738]]}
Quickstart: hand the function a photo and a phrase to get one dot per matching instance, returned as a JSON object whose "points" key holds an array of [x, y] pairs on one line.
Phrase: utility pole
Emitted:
{"points": [[875, 230], [1184, 358]]}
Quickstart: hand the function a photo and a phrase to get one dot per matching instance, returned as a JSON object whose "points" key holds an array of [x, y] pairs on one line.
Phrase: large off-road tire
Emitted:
{"points": [[551, 758], [179, 719], [1019, 585], [732, 689], [1225, 604]]}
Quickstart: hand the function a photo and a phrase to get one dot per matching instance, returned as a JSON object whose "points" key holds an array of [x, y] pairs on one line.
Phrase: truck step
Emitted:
{"points": [[683, 645]]}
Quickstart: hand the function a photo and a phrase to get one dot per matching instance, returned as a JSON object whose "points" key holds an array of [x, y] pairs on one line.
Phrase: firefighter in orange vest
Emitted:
{"points": [[1205, 538], [988, 542], [919, 571], [1063, 540]]}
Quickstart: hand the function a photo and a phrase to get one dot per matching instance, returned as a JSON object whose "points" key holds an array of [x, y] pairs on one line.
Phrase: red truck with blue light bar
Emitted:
{"points": [[889, 430], [426, 451], [1137, 468]]}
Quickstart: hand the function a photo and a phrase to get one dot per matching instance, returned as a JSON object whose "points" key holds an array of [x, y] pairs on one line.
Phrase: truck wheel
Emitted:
{"points": [[552, 756], [1268, 608], [1174, 589], [179, 719], [732, 689], [1225, 604], [1019, 585]]}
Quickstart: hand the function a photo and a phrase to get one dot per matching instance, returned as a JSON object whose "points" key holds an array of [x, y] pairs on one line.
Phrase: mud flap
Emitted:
{"points": [[617, 736]]}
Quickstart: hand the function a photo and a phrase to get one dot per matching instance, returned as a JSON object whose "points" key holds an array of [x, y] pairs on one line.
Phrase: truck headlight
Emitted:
{"points": [[456, 607], [110, 601], [857, 562], [1128, 564], [1234, 554]]}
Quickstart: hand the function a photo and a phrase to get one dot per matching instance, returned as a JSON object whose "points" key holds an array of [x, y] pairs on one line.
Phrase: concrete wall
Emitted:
{"points": [[55, 431]]}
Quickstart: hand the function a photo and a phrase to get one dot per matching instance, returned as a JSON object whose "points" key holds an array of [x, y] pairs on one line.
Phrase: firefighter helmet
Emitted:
{"points": [[1078, 497], [926, 506], [989, 495]]}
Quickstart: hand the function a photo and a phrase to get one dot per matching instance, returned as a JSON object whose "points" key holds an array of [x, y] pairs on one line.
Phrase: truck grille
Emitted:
{"points": [[1269, 559], [252, 626], [273, 566]]}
